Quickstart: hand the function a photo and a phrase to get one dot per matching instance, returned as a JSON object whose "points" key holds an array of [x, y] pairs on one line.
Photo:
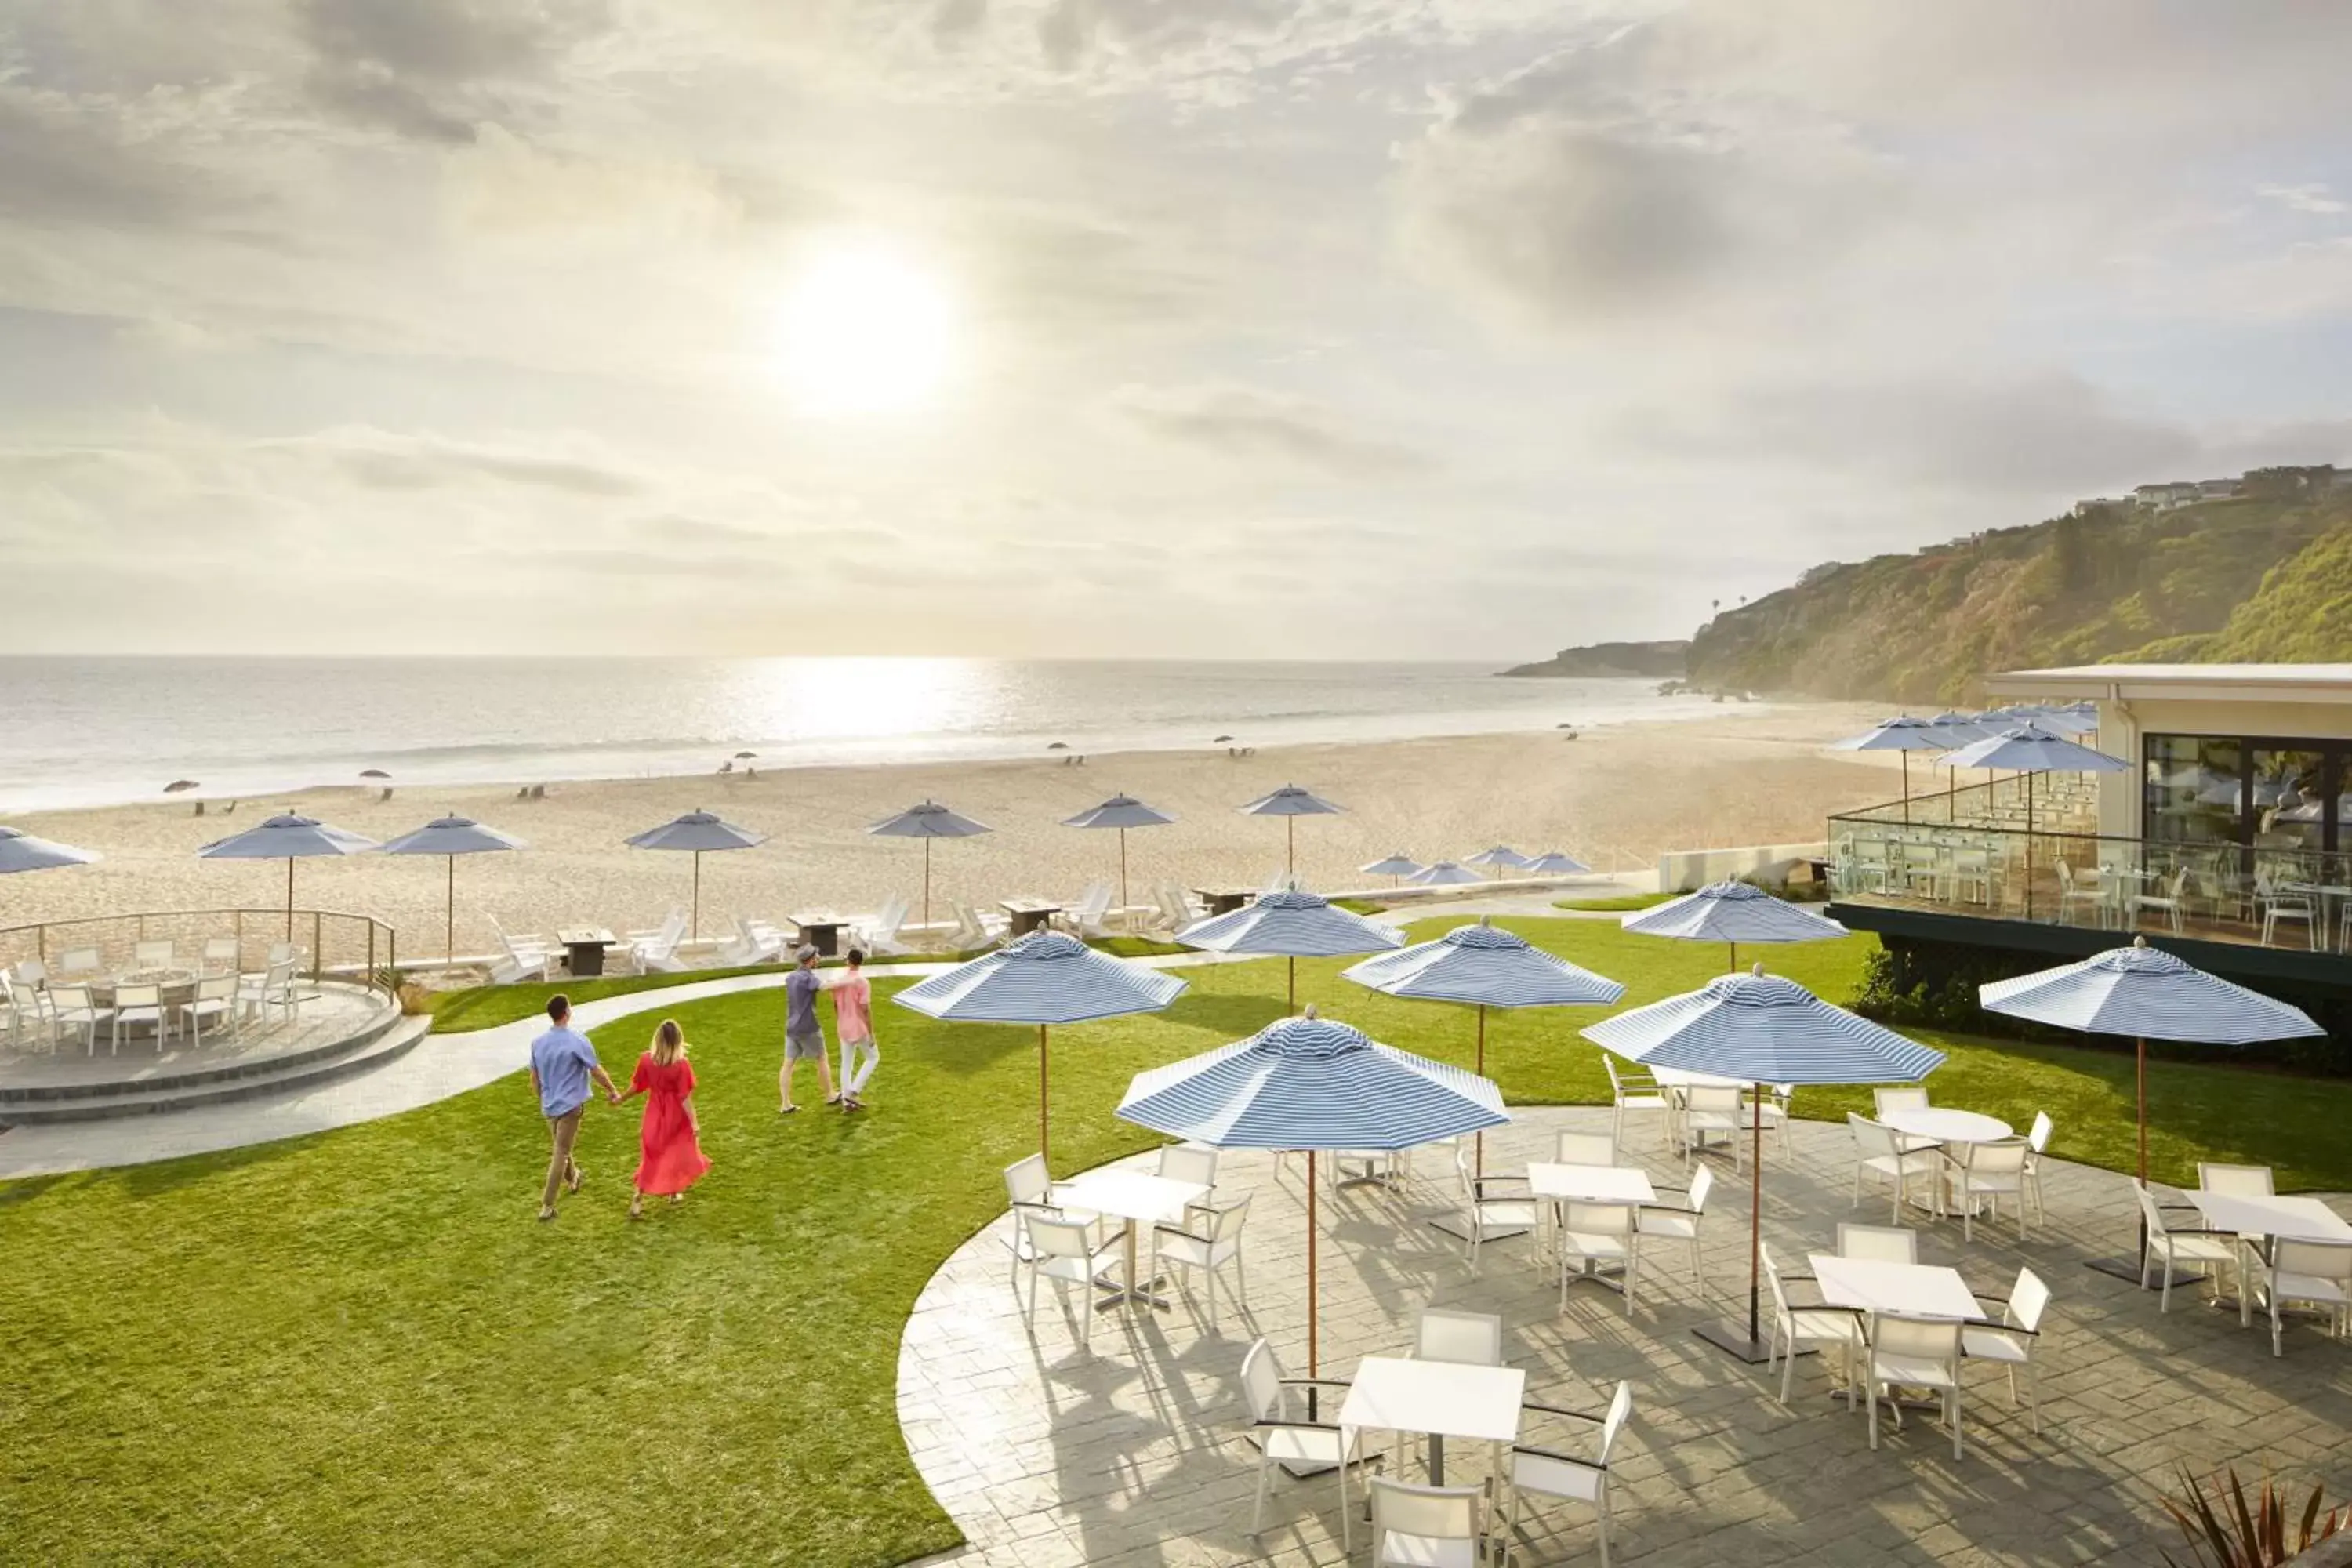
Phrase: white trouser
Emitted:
{"points": [[854, 1072]]}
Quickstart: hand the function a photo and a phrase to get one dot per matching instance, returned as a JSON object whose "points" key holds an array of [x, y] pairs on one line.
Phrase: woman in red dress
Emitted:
{"points": [[671, 1160]]}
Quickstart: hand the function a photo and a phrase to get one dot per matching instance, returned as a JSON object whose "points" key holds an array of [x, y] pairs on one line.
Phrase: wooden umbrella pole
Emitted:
{"points": [[1313, 1363], [1755, 1202], [1290, 844], [1122, 870], [449, 912], [927, 885], [289, 898], [1041, 1089], [1478, 1140], [1906, 783], [2139, 1061], [1291, 996]]}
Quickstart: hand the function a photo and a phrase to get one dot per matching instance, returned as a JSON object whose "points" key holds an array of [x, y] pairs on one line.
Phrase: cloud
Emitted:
{"points": [[66, 161], [2312, 197], [434, 69], [1250, 422]]}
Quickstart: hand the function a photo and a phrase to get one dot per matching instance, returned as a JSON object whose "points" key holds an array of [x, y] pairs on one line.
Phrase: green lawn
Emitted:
{"points": [[360, 1347], [1623, 903]]}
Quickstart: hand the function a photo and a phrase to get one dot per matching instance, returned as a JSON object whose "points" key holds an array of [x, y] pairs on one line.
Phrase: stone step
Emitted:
{"points": [[347, 1059], [18, 1096]]}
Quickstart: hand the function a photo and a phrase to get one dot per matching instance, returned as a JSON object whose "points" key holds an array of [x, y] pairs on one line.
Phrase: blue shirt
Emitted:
{"points": [[561, 1058], [801, 988]]}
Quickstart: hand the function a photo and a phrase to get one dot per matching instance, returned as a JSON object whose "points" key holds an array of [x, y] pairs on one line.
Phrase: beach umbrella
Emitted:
{"points": [[181, 786], [1045, 978], [1291, 924], [928, 821], [452, 836], [1312, 1084], [1761, 1029], [1290, 803], [1396, 868], [20, 851], [1483, 967], [1557, 863], [697, 832], [1121, 812], [289, 837], [1905, 735], [1443, 874], [2029, 749], [2068, 721], [1731, 912], [2146, 993], [1499, 857]]}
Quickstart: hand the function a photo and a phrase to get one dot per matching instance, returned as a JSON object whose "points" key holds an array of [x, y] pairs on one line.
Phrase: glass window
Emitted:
{"points": [[2195, 786], [2290, 810]]}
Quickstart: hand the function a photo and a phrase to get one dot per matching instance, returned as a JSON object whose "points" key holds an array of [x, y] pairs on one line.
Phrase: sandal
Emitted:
{"points": [[637, 1208], [578, 1176], [546, 1214], [786, 1110]]}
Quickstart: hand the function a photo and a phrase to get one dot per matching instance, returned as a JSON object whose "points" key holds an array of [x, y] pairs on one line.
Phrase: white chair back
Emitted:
{"points": [[1597, 1219], [1227, 1226], [1426, 1513], [1878, 1243], [1585, 1149], [220, 951], [78, 961], [1712, 1099], [153, 954], [2236, 1180], [1050, 1237], [217, 988], [1262, 1381], [1028, 1181], [1701, 1185], [1621, 1409], [2330, 1261], [1928, 1338], [1905, 1099], [2038, 1139], [1467, 1339], [32, 974], [1189, 1162], [2027, 1300], [127, 997], [2148, 1211], [892, 915], [2004, 1157]]}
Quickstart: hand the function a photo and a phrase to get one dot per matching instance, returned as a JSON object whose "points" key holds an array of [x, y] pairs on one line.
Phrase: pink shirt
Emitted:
{"points": [[853, 1009]]}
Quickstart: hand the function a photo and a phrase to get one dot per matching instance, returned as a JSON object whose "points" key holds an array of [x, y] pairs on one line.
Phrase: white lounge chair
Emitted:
{"points": [[976, 929], [522, 958], [649, 951], [1087, 916], [879, 935], [754, 941], [1176, 911]]}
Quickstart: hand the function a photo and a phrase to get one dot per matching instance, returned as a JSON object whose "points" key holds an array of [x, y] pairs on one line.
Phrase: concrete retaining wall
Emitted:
{"points": [[1685, 871]]}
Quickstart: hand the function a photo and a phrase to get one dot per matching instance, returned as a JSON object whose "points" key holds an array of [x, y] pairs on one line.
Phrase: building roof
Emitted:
{"points": [[2212, 682]]}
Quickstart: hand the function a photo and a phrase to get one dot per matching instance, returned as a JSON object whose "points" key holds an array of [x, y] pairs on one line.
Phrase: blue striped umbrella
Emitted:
{"points": [[1047, 977], [1293, 924], [1290, 803], [1483, 967], [1761, 1029], [1121, 812], [1313, 1084], [1731, 912], [289, 837], [928, 821], [697, 832], [451, 836], [2149, 994]]}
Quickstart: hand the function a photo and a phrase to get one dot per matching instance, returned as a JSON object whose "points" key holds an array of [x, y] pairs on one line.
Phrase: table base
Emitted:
{"points": [[1732, 1339], [2128, 1268], [1124, 1294], [1460, 1232], [1590, 1274]]}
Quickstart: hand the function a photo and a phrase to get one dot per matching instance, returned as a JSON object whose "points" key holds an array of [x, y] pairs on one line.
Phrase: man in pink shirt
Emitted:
{"points": [[853, 1017]]}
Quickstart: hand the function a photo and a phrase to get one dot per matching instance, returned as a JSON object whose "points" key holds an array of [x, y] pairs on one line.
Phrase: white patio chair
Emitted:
{"points": [[219, 955], [1990, 1172], [1795, 1327], [273, 987], [1912, 1352], [1585, 1149], [1194, 1162], [1065, 1252], [2312, 1273], [2088, 893], [138, 1005], [1282, 1439], [1491, 1204], [2278, 903], [1906, 1097], [286, 953], [1634, 1089], [1879, 1150], [2168, 903], [73, 1007], [2037, 1144], [2236, 1180], [1596, 1235], [1465, 1339], [1878, 1243], [215, 998], [651, 951], [1679, 1222], [1176, 911], [1548, 1475], [2178, 1245], [1773, 1110], [2011, 1343], [30, 975], [1214, 1242], [1714, 1108], [155, 952], [21, 1012], [879, 935], [1030, 1189], [76, 961], [1426, 1527]]}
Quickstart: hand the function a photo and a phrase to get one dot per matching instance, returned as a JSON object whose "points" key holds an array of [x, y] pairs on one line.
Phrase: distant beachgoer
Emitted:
{"points": [[562, 1064], [669, 1151], [804, 1035], [853, 1019]]}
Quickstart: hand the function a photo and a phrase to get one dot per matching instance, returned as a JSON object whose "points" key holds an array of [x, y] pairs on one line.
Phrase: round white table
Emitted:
{"points": [[1948, 1126]]}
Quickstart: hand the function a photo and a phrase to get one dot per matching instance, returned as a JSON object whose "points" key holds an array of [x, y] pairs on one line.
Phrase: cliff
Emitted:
{"points": [[1612, 660], [2268, 577]]}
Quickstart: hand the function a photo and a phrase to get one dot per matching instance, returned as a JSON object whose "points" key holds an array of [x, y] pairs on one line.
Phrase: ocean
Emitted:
{"points": [[93, 731]]}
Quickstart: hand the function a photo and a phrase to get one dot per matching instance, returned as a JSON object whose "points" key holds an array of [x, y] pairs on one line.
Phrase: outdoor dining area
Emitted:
{"points": [[150, 992]]}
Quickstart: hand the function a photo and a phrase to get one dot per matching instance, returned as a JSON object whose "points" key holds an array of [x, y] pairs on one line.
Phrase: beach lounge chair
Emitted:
{"points": [[754, 941], [1087, 916], [649, 951], [521, 958], [879, 935], [1176, 912], [974, 928]]}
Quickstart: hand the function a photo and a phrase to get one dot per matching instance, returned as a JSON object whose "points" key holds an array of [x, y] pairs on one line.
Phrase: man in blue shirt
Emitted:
{"points": [[803, 1034], [562, 1063]]}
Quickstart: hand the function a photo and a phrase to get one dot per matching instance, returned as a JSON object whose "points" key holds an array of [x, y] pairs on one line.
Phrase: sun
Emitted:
{"points": [[863, 330]]}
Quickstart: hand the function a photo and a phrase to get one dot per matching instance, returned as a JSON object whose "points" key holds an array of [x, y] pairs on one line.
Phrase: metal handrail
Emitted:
{"points": [[378, 973]]}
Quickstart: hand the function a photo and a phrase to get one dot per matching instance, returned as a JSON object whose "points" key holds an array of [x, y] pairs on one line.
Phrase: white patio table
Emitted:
{"points": [[1441, 1399], [2259, 1221], [1137, 1197], [1943, 1125], [1913, 1290], [1590, 1184]]}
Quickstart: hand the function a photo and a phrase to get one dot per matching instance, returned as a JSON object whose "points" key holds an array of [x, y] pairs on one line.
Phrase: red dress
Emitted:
{"points": [[672, 1160]]}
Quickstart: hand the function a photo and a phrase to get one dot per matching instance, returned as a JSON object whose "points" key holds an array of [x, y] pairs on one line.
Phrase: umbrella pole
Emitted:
{"points": [[289, 898], [1122, 870], [1291, 1001], [2029, 847], [1041, 1089], [2139, 1057], [927, 884], [449, 914], [1735, 958], [694, 921], [1312, 1367], [1755, 1201], [1478, 1138], [1906, 784], [1290, 844]]}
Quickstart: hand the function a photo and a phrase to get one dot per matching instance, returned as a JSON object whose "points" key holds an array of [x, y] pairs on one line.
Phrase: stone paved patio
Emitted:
{"points": [[1046, 1453]]}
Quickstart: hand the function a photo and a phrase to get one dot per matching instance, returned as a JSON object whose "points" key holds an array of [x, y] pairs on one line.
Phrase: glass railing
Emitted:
{"points": [[323, 944], [2275, 897]]}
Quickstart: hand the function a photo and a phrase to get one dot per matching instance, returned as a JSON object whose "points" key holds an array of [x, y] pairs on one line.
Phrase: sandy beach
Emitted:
{"points": [[1614, 798]]}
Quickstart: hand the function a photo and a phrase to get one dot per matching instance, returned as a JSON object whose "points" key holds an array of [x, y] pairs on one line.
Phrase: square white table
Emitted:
{"points": [[2297, 1219], [1137, 1197], [1440, 1398], [1915, 1289], [1590, 1184]]}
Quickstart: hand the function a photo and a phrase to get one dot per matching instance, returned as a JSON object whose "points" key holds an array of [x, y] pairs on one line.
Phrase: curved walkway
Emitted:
{"points": [[1048, 1454]]}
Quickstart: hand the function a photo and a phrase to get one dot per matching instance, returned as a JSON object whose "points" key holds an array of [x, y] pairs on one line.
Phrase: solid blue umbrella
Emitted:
{"points": [[1443, 874], [20, 851], [1500, 857], [2148, 994], [1312, 1084], [1731, 912], [1903, 735], [1290, 803], [2029, 749], [1483, 967], [1293, 924], [289, 837], [1557, 863], [1120, 812], [1761, 1029], [1397, 867], [452, 836], [1044, 978], [928, 821], [698, 833]]}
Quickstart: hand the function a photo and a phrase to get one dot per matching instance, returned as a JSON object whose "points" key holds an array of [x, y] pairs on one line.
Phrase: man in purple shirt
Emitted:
{"points": [[562, 1063]]}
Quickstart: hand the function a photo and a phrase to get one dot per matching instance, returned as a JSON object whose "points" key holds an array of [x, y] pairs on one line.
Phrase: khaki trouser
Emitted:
{"points": [[563, 1129]]}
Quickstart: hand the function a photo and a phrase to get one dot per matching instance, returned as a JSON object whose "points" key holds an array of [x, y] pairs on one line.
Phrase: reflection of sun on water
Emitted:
{"points": [[832, 698], [864, 331]]}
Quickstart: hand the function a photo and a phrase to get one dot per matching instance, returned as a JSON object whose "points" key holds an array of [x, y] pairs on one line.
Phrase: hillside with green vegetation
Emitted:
{"points": [[2266, 576]]}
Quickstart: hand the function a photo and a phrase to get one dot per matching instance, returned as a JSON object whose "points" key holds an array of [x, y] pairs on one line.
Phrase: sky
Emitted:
{"points": [[1120, 328]]}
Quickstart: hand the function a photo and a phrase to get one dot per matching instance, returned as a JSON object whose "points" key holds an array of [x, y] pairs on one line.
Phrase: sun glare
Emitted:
{"points": [[864, 331]]}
